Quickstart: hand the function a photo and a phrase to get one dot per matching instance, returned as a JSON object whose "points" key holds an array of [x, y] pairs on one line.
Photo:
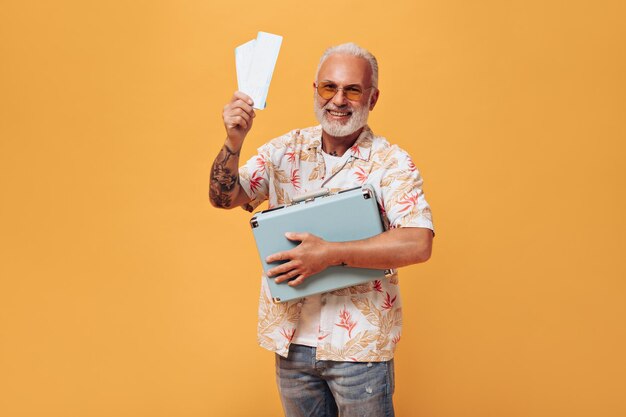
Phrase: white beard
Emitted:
{"points": [[357, 120]]}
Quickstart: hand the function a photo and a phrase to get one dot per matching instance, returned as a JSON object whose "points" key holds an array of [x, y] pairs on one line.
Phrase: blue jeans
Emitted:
{"points": [[312, 388]]}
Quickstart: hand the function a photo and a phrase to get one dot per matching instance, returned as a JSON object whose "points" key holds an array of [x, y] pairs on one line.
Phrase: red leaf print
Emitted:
{"points": [[295, 179], [361, 175], [319, 332], [409, 201], [255, 181], [260, 163], [378, 286], [291, 156], [288, 334], [396, 339], [412, 166], [356, 151], [388, 304], [345, 321]]}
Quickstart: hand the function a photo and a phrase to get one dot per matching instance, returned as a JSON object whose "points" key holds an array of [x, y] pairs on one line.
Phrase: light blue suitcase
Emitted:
{"points": [[344, 216]]}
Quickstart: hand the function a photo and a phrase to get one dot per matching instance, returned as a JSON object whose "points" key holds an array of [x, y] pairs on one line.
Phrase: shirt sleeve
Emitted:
{"points": [[254, 178], [402, 195]]}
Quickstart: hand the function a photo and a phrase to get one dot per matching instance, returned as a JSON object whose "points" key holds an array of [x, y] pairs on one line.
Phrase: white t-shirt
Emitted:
{"points": [[308, 326]]}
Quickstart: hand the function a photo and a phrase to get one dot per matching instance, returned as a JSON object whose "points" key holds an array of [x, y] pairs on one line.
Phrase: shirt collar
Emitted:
{"points": [[361, 148]]}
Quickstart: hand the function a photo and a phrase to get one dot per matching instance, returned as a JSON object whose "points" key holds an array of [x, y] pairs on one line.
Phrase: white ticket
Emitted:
{"points": [[255, 61]]}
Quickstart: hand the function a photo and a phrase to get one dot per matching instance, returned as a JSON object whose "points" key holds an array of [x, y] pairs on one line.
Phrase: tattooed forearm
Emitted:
{"points": [[224, 178]]}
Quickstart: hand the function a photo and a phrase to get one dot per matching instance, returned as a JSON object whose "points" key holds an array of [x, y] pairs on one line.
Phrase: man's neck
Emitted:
{"points": [[338, 145]]}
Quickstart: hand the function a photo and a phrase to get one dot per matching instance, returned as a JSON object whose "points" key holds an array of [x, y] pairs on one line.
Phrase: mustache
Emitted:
{"points": [[331, 106]]}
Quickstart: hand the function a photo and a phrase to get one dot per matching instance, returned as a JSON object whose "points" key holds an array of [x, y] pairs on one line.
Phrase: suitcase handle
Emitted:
{"points": [[311, 195]]}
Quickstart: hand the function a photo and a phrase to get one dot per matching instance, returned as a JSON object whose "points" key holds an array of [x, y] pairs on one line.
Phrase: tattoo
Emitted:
{"points": [[221, 200], [248, 207], [231, 152], [224, 177]]}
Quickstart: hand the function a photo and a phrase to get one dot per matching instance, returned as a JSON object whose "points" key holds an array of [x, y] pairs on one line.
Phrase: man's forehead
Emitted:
{"points": [[345, 69]]}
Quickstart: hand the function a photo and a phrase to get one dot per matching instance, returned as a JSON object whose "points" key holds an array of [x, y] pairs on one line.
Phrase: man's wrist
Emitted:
{"points": [[230, 148], [335, 253]]}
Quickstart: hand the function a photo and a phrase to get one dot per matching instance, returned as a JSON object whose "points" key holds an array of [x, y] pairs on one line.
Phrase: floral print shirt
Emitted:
{"points": [[361, 323]]}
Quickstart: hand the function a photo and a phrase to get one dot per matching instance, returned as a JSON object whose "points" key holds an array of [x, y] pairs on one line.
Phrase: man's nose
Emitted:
{"points": [[339, 99]]}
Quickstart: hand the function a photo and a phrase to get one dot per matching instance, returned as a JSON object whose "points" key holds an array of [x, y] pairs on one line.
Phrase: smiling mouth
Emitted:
{"points": [[338, 113]]}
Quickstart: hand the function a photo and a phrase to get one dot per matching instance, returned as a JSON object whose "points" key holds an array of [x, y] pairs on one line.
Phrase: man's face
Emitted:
{"points": [[338, 115]]}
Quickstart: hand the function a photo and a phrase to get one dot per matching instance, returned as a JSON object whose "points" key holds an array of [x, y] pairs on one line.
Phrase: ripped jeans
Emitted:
{"points": [[312, 388]]}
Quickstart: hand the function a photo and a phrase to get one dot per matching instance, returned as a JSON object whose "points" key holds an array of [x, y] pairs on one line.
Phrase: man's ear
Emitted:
{"points": [[374, 99]]}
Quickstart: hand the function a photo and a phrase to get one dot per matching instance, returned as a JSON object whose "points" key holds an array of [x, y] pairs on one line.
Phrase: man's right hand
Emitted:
{"points": [[238, 115]]}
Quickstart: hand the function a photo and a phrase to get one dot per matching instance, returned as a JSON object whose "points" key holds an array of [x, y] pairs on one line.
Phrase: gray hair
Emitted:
{"points": [[353, 49]]}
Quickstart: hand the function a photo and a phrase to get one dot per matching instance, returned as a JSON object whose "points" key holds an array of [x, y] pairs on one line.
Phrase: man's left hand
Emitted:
{"points": [[309, 257]]}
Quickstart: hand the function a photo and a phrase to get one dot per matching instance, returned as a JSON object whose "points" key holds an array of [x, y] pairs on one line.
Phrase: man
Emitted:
{"points": [[334, 351]]}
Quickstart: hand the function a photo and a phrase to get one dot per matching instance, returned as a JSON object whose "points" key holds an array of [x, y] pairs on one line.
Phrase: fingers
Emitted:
{"points": [[280, 256], [286, 271], [239, 111], [300, 262], [294, 273], [243, 101], [297, 236], [295, 282], [238, 108], [295, 277], [283, 268], [242, 96], [237, 118]]}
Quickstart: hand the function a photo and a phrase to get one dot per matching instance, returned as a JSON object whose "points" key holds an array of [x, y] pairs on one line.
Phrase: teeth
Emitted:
{"points": [[336, 113]]}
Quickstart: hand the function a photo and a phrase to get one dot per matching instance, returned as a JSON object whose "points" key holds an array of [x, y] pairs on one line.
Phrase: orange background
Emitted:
{"points": [[124, 293]]}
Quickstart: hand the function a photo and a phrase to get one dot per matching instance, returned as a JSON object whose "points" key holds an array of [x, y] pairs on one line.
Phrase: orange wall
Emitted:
{"points": [[118, 280]]}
